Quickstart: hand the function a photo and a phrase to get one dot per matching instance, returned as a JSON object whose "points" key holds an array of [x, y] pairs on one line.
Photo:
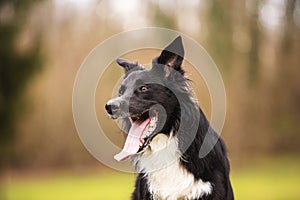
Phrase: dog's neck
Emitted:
{"points": [[167, 178]]}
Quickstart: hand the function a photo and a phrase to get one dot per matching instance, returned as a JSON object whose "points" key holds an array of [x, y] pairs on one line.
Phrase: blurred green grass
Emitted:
{"points": [[268, 179], [277, 179], [72, 187]]}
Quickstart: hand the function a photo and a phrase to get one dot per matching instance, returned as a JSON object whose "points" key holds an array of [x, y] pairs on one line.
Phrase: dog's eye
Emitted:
{"points": [[143, 88], [121, 90]]}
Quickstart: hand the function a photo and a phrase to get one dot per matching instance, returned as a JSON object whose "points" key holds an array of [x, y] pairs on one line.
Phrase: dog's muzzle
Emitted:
{"points": [[111, 108], [116, 107]]}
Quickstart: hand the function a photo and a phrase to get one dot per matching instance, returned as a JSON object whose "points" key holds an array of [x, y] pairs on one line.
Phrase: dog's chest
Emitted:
{"points": [[173, 182], [167, 179]]}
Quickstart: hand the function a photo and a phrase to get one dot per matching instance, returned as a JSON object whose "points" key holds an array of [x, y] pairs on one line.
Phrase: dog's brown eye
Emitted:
{"points": [[144, 88], [121, 90]]}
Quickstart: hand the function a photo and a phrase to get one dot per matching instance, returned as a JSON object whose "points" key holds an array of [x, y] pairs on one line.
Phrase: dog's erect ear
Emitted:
{"points": [[172, 56], [128, 66]]}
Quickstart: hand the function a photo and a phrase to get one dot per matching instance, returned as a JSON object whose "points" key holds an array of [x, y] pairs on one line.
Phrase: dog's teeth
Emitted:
{"points": [[141, 144], [152, 122]]}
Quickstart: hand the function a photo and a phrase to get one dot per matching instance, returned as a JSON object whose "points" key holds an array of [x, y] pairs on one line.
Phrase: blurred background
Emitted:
{"points": [[255, 44]]}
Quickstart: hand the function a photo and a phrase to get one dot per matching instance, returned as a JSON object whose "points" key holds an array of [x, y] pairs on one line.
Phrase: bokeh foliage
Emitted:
{"points": [[259, 66], [16, 69]]}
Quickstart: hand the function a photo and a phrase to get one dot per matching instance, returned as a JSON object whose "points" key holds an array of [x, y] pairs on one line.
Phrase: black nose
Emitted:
{"points": [[111, 108]]}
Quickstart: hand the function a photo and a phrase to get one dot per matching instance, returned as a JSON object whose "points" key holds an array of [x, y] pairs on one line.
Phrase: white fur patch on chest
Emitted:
{"points": [[167, 179]]}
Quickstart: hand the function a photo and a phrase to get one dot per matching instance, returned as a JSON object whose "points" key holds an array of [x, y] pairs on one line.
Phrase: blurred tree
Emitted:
{"points": [[290, 27], [255, 35], [16, 69], [161, 18], [219, 40], [286, 96]]}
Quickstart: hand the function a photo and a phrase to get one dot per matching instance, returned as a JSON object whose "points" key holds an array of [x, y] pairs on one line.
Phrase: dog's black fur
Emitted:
{"points": [[167, 86]]}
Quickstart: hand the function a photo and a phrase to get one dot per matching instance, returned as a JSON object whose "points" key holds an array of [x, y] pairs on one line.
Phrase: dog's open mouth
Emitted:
{"points": [[142, 127]]}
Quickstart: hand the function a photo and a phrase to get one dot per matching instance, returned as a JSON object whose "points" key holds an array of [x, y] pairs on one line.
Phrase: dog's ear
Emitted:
{"points": [[129, 66], [172, 56]]}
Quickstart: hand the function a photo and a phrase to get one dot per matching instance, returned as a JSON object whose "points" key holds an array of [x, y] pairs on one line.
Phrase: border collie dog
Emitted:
{"points": [[166, 129]]}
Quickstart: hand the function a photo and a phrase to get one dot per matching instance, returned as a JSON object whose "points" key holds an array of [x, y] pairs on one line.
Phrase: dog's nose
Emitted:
{"points": [[111, 108]]}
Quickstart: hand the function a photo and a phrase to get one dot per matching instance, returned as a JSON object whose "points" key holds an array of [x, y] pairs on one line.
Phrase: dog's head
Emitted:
{"points": [[147, 98]]}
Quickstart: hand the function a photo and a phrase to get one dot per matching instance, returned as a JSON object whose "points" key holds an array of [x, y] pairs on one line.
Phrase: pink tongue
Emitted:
{"points": [[132, 141]]}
